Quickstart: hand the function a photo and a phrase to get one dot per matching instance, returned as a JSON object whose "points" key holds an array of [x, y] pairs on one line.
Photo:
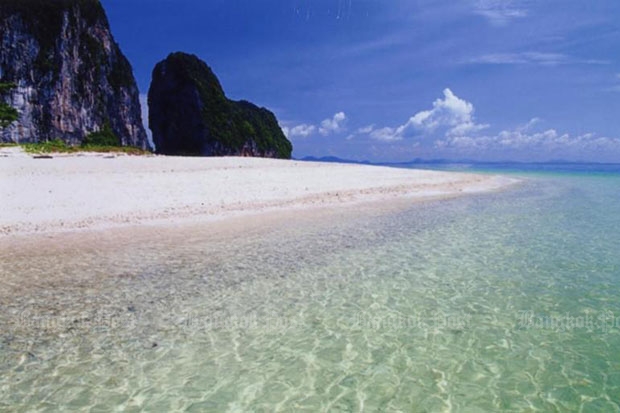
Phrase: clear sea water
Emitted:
{"points": [[499, 302]]}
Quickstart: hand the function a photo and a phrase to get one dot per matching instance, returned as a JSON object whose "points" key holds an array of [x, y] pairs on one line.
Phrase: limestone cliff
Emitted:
{"points": [[189, 114], [71, 77]]}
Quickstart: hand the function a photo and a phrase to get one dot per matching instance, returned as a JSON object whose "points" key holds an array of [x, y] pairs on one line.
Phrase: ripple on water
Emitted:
{"points": [[499, 302]]}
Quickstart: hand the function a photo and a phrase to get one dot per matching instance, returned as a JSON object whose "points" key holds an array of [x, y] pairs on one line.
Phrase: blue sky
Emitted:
{"points": [[392, 80]]}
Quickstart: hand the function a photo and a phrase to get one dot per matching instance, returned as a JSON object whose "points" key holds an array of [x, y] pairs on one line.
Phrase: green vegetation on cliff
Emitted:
{"points": [[104, 137], [230, 127], [8, 114], [250, 120]]}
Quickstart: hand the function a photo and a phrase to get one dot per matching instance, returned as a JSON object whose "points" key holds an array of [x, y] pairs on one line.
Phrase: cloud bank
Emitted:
{"points": [[453, 115], [449, 128], [335, 124], [303, 130], [539, 145]]}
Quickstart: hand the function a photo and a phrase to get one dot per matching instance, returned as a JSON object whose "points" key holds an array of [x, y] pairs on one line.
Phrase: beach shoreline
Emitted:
{"points": [[91, 192]]}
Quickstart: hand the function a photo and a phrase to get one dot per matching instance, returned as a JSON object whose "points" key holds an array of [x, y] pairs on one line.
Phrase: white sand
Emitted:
{"points": [[86, 192]]}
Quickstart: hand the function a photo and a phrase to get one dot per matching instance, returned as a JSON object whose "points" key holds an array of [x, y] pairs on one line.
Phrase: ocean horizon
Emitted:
{"points": [[541, 169]]}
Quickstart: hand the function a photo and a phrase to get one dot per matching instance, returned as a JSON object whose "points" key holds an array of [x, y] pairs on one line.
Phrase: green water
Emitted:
{"points": [[501, 302]]}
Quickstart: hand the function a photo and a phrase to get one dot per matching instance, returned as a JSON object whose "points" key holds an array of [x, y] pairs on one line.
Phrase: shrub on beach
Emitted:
{"points": [[104, 137], [59, 146]]}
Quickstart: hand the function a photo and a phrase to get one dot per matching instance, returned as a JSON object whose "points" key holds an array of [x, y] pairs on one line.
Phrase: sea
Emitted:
{"points": [[506, 301]]}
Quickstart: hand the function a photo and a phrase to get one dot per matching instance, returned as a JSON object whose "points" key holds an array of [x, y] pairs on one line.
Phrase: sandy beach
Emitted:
{"points": [[68, 193]]}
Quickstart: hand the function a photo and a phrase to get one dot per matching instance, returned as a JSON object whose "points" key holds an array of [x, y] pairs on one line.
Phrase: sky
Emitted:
{"points": [[396, 80]]}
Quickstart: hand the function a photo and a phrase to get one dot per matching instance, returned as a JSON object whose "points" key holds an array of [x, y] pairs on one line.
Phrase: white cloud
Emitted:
{"points": [[541, 58], [531, 58], [466, 128], [366, 129], [333, 125], [328, 126], [452, 115], [532, 122], [304, 130], [499, 12], [451, 112], [548, 143], [387, 134]]}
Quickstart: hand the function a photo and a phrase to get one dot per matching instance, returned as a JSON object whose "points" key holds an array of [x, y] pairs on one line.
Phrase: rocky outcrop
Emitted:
{"points": [[70, 76], [189, 114]]}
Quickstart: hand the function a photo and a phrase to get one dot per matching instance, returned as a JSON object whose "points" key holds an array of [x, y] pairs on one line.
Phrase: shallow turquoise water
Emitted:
{"points": [[508, 301]]}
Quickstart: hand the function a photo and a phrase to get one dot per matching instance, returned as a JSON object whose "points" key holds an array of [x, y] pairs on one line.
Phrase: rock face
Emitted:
{"points": [[70, 75], [189, 114]]}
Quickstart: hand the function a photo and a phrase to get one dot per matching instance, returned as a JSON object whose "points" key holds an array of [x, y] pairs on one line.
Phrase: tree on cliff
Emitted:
{"points": [[8, 114]]}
